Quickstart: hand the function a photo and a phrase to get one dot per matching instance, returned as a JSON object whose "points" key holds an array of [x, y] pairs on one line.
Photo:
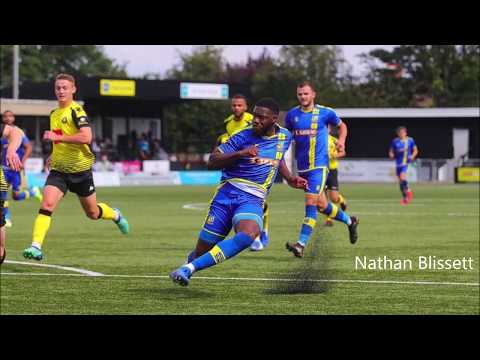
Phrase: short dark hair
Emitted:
{"points": [[240, 96], [269, 103], [65, 77], [306, 83], [401, 128]]}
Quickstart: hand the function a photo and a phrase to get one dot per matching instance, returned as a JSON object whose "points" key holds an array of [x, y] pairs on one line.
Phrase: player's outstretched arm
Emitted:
{"points": [[342, 136], [414, 153], [296, 182], [390, 153], [14, 136], [83, 136], [219, 160], [340, 154], [28, 152]]}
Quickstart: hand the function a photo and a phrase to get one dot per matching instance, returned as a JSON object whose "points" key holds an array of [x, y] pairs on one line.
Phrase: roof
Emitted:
{"points": [[460, 112], [29, 107]]}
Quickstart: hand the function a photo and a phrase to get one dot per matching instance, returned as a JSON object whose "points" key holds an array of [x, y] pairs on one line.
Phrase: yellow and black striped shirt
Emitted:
{"points": [[3, 183], [70, 158]]}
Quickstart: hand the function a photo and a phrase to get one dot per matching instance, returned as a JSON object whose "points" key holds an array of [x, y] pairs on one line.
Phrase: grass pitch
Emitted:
{"points": [[442, 221]]}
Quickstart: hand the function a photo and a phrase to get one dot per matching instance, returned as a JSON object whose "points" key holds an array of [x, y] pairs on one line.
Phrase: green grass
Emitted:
{"points": [[442, 221]]}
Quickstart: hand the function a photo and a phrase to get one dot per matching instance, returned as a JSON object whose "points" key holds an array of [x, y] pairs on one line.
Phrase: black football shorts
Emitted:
{"points": [[80, 183]]}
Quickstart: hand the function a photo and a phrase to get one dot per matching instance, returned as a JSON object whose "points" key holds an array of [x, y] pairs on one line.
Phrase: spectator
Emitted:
{"points": [[104, 164], [96, 147], [143, 148]]}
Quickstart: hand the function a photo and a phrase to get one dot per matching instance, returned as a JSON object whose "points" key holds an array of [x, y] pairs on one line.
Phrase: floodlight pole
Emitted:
{"points": [[16, 60]]}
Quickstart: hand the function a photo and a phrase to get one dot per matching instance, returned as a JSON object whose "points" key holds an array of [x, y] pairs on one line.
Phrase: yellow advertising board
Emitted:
{"points": [[110, 87], [468, 174]]}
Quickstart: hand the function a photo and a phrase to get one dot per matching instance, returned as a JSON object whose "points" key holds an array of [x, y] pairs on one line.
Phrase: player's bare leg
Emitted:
{"points": [[96, 211], [201, 248], [51, 198]]}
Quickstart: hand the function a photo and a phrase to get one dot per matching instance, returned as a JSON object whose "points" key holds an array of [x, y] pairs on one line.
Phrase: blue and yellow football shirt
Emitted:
{"points": [[310, 132], [256, 175], [402, 150]]}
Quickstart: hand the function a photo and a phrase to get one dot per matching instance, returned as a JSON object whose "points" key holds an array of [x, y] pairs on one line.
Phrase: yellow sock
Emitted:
{"points": [[266, 218], [341, 199], [107, 212], [40, 228]]}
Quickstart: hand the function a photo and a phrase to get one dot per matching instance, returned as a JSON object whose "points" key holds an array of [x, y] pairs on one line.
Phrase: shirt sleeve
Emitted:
{"points": [[333, 119], [288, 142], [392, 145], [79, 117], [234, 143], [288, 122], [412, 143], [25, 140]]}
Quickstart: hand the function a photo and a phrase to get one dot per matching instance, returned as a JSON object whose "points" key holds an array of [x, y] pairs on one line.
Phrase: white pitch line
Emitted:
{"points": [[196, 206], [262, 279], [67, 268], [203, 206]]}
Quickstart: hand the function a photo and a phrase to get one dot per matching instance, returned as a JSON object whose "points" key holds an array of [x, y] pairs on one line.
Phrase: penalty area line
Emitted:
{"points": [[66, 268], [392, 282]]}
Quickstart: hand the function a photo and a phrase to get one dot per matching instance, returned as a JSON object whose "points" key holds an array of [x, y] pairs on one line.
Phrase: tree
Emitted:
{"points": [[39, 63], [448, 74], [194, 125], [323, 65]]}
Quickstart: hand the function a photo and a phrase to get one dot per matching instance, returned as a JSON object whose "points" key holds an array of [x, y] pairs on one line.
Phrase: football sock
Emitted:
{"points": [[6, 210], [40, 227], [308, 225], [223, 250], [106, 212], [191, 256], [334, 212], [22, 195], [404, 187], [341, 199]]}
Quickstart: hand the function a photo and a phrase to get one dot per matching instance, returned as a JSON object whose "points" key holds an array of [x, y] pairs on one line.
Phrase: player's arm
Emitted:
{"points": [[220, 160], [342, 136], [391, 154], [340, 154], [414, 153], [296, 182], [14, 136], [83, 136], [28, 152]]}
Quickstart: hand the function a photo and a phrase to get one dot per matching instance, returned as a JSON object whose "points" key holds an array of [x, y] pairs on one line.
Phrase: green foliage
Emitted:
{"points": [[193, 126], [39, 63], [449, 74]]}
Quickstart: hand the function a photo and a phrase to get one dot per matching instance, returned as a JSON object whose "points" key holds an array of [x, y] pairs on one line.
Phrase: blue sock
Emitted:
{"points": [[21, 196], [334, 212], [404, 187], [191, 256], [6, 212], [223, 250], [308, 225]]}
